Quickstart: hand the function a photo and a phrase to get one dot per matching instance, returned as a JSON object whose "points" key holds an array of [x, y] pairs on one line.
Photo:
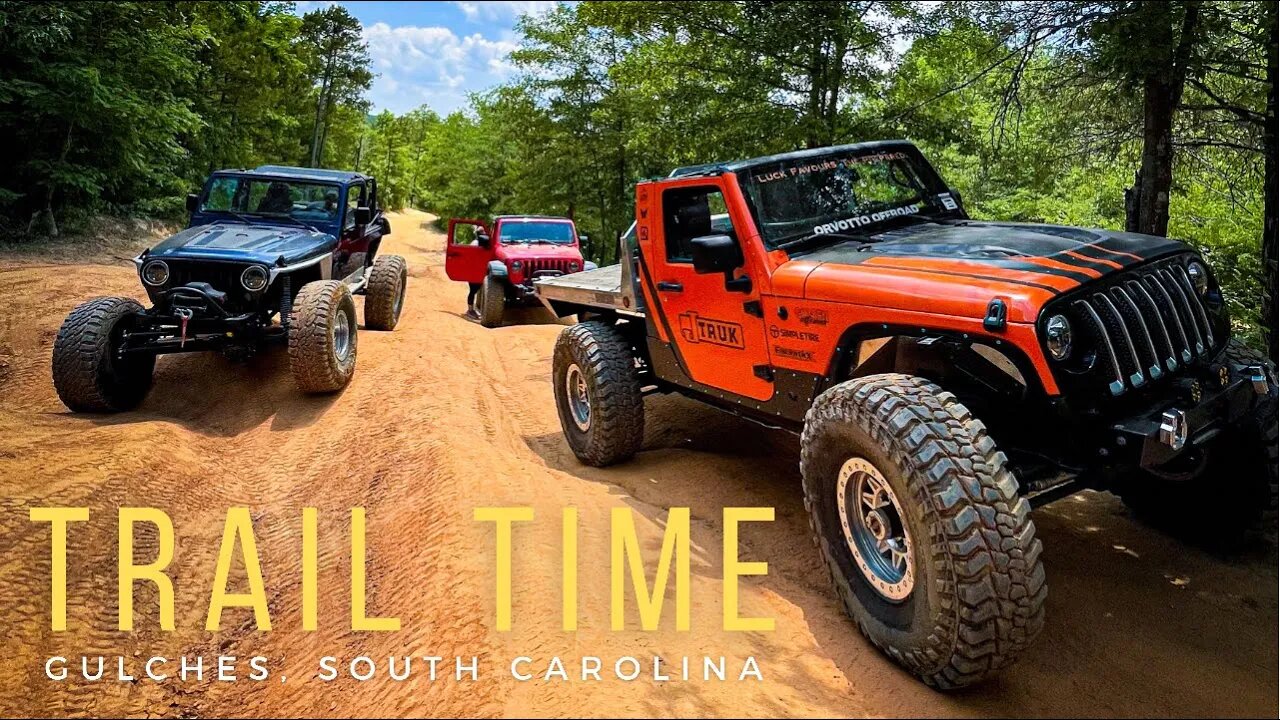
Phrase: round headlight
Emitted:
{"points": [[1199, 275], [254, 278], [155, 273], [516, 265], [573, 266], [1057, 336]]}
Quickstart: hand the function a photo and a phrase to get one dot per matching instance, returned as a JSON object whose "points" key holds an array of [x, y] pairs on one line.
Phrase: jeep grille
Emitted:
{"points": [[221, 275], [532, 268], [1142, 324]]}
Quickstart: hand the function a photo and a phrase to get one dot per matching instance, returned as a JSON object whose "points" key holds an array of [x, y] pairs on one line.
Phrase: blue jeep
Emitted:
{"points": [[272, 254]]}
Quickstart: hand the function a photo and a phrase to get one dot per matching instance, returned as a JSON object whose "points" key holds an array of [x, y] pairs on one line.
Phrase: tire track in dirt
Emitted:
{"points": [[444, 416]]}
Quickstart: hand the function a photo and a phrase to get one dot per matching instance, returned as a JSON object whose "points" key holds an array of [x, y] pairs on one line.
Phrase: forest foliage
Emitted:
{"points": [[1153, 116]]}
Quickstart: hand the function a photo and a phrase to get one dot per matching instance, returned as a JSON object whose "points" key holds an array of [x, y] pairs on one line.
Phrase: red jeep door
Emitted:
{"points": [[466, 259], [719, 342]]}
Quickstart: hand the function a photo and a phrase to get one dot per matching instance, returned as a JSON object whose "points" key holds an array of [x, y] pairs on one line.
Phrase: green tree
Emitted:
{"points": [[339, 64]]}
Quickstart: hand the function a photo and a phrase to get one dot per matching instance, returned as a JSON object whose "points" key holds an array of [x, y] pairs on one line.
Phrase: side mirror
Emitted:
{"points": [[193, 202], [583, 239], [363, 215], [716, 254], [482, 238]]}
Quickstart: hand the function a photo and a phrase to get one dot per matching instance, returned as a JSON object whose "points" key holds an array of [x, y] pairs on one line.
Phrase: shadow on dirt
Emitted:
{"points": [[1123, 599], [519, 316], [216, 397]]}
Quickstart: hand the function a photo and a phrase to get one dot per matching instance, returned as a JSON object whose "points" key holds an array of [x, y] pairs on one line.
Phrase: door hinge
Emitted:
{"points": [[752, 307], [764, 372]]}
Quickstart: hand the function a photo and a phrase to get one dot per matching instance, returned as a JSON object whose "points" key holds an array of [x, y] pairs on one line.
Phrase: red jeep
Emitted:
{"points": [[500, 266]]}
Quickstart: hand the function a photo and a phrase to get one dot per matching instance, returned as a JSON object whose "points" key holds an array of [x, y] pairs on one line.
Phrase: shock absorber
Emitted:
{"points": [[286, 299]]}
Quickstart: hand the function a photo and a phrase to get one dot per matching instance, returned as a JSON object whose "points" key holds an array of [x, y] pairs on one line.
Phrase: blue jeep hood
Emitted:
{"points": [[245, 243]]}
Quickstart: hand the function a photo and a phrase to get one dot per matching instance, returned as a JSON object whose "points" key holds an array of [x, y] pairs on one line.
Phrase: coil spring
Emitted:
{"points": [[286, 300]]}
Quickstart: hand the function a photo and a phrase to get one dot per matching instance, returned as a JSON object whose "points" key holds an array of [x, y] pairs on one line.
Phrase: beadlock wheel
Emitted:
{"points": [[872, 521], [575, 388]]}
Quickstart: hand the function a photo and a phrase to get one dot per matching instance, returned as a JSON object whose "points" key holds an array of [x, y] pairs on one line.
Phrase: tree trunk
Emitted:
{"points": [[1269, 237], [1161, 95], [1155, 176], [45, 214]]}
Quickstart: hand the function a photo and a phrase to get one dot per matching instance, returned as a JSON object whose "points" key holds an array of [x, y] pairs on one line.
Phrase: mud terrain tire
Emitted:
{"points": [[320, 359], [86, 372], [384, 295], [1241, 470], [977, 596], [593, 369], [492, 301]]}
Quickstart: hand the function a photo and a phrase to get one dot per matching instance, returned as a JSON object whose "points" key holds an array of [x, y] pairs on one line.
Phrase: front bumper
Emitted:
{"points": [[1201, 410]]}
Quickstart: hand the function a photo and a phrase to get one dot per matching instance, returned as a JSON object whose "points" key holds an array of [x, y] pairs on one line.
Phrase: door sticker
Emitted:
{"points": [[697, 329]]}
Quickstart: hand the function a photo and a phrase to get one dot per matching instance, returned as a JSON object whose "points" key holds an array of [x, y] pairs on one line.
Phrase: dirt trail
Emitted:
{"points": [[444, 416]]}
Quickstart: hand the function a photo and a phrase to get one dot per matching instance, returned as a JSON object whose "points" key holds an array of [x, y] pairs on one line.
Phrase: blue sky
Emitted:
{"points": [[435, 53]]}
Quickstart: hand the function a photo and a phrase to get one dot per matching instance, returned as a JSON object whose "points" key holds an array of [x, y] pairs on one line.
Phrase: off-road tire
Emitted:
{"points": [[313, 358], [1241, 469], [86, 372], [491, 302], [607, 363], [384, 295], [979, 589]]}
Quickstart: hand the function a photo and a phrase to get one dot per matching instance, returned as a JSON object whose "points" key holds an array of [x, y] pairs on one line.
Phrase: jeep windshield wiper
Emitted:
{"points": [[239, 216], [807, 240], [290, 218]]}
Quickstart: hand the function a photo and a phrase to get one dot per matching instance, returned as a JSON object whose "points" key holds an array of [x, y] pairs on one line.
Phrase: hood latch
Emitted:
{"points": [[997, 316]]}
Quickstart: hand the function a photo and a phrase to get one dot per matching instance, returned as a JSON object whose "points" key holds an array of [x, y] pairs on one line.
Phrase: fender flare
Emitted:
{"points": [[498, 269], [850, 339]]}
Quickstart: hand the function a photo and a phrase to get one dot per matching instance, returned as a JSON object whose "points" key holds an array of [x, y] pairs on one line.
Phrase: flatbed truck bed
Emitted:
{"points": [[603, 289]]}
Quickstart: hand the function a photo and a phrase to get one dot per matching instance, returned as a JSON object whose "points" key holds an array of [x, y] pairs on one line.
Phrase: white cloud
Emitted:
{"points": [[491, 11], [432, 65]]}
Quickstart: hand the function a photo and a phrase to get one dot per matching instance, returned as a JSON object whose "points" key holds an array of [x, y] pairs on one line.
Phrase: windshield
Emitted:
{"points": [[307, 202], [841, 193], [533, 231]]}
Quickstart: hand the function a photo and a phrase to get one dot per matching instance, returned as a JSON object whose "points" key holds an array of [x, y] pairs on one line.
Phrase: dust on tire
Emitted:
{"points": [[384, 295], [980, 589], [87, 375], [492, 302], [607, 363], [316, 366]]}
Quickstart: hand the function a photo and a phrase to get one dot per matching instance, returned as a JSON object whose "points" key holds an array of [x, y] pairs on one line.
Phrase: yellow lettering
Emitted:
{"points": [[735, 568], [129, 573], [58, 519], [503, 518], [239, 525], [624, 546]]}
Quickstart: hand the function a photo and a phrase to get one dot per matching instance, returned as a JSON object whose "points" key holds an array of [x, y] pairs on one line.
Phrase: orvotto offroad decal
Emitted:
{"points": [[860, 220], [697, 329]]}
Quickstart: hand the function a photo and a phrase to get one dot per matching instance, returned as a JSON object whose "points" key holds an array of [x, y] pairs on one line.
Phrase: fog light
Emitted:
{"points": [[1057, 336], [254, 278], [155, 273]]}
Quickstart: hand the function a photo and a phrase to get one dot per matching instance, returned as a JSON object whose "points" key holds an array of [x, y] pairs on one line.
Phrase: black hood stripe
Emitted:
{"points": [[1080, 260], [977, 276], [1081, 277], [1101, 253]]}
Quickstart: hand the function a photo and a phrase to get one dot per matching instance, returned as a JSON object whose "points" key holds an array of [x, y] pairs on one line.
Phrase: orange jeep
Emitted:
{"points": [[944, 375]]}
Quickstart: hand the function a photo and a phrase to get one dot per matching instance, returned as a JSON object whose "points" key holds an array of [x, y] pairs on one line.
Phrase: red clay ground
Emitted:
{"points": [[444, 416]]}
